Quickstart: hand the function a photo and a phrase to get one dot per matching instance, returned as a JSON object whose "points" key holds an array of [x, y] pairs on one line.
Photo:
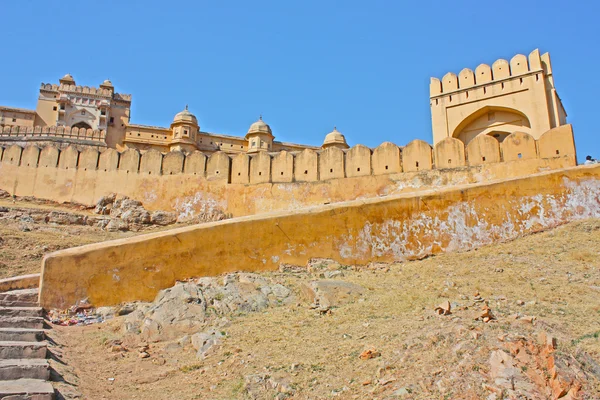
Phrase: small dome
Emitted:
{"points": [[260, 127], [185, 116], [67, 77], [335, 137], [107, 82]]}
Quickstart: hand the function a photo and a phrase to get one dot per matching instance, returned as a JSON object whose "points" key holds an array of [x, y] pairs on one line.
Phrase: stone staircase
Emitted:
{"points": [[24, 368]]}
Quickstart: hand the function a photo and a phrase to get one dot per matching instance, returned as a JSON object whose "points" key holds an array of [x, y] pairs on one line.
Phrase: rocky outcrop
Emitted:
{"points": [[132, 215], [191, 306]]}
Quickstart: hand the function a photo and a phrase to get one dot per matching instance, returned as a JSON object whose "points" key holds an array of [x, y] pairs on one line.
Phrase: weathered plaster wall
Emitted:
{"points": [[395, 228], [263, 182]]}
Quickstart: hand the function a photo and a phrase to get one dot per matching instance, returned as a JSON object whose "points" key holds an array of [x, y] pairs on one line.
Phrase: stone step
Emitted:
{"points": [[19, 298], [21, 311], [22, 334], [16, 350], [22, 322], [32, 368], [26, 389]]}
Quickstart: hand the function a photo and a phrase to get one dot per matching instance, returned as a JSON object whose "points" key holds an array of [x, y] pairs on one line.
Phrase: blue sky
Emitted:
{"points": [[305, 65]]}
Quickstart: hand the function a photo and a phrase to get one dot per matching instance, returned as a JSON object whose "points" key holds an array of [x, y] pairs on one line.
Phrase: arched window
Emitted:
{"points": [[81, 125]]}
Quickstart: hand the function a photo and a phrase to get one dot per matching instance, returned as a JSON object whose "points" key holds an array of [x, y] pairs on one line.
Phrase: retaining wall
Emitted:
{"points": [[395, 228]]}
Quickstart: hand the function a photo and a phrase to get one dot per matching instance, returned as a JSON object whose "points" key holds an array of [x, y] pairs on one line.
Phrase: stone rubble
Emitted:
{"points": [[113, 213]]}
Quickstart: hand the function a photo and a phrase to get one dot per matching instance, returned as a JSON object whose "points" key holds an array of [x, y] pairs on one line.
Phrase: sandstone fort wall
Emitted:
{"points": [[262, 182], [395, 228]]}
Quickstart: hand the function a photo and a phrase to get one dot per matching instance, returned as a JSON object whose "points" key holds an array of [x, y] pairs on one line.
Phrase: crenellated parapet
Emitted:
{"points": [[508, 96], [85, 90], [500, 70], [298, 166], [13, 133]]}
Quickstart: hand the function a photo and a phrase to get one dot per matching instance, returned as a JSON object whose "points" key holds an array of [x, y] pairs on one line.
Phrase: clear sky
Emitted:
{"points": [[363, 66]]}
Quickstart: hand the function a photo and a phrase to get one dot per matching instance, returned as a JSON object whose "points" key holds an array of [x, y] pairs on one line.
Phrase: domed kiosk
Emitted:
{"points": [[259, 137], [185, 131], [335, 139]]}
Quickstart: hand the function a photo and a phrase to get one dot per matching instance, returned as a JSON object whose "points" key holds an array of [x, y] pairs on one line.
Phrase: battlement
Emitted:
{"points": [[500, 70], [87, 90], [307, 165], [52, 131]]}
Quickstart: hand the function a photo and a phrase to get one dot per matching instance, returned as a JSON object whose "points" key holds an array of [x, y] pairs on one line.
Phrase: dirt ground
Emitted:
{"points": [[294, 351]]}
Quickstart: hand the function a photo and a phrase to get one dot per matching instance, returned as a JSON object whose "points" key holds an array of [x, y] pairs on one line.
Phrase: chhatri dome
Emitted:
{"points": [[335, 139], [259, 127], [185, 116], [107, 82], [68, 78]]}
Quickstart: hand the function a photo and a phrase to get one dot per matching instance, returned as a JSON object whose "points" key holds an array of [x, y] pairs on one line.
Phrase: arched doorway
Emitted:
{"points": [[81, 125], [499, 135], [498, 122]]}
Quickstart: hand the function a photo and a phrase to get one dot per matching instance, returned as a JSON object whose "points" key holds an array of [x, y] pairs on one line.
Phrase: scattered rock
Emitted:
{"points": [[368, 354], [333, 274], [444, 308], [163, 218], [117, 225], [203, 342], [401, 392], [486, 314], [330, 293]]}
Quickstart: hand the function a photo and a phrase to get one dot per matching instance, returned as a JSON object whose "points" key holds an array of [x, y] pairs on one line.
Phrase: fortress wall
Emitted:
{"points": [[416, 156], [556, 142], [449, 153], [307, 166], [519, 146], [260, 167], [282, 167], [358, 161], [151, 162], [386, 159], [30, 156], [69, 158], [195, 164], [172, 163], [240, 168], [392, 229], [331, 164], [218, 167], [253, 184], [129, 161], [483, 149]]}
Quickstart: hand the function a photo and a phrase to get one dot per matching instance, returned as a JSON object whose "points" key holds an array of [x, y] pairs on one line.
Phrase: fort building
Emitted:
{"points": [[101, 117], [79, 144], [508, 96]]}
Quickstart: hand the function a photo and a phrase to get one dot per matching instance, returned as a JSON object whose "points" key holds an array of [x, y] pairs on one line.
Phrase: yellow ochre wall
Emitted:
{"points": [[252, 184], [395, 228]]}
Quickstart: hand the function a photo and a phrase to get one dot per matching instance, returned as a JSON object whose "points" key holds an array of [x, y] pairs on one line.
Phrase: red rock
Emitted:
{"points": [[369, 353]]}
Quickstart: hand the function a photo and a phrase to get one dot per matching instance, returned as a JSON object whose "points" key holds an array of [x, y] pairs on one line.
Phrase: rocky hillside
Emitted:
{"points": [[519, 320]]}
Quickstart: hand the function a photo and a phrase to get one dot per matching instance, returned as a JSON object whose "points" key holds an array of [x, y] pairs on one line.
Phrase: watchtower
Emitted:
{"points": [[508, 96]]}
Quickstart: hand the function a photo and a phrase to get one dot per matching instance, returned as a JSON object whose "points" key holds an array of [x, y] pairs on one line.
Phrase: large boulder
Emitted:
{"points": [[163, 218]]}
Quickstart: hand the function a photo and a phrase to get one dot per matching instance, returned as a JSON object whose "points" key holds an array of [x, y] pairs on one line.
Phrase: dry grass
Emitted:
{"points": [[555, 273]]}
